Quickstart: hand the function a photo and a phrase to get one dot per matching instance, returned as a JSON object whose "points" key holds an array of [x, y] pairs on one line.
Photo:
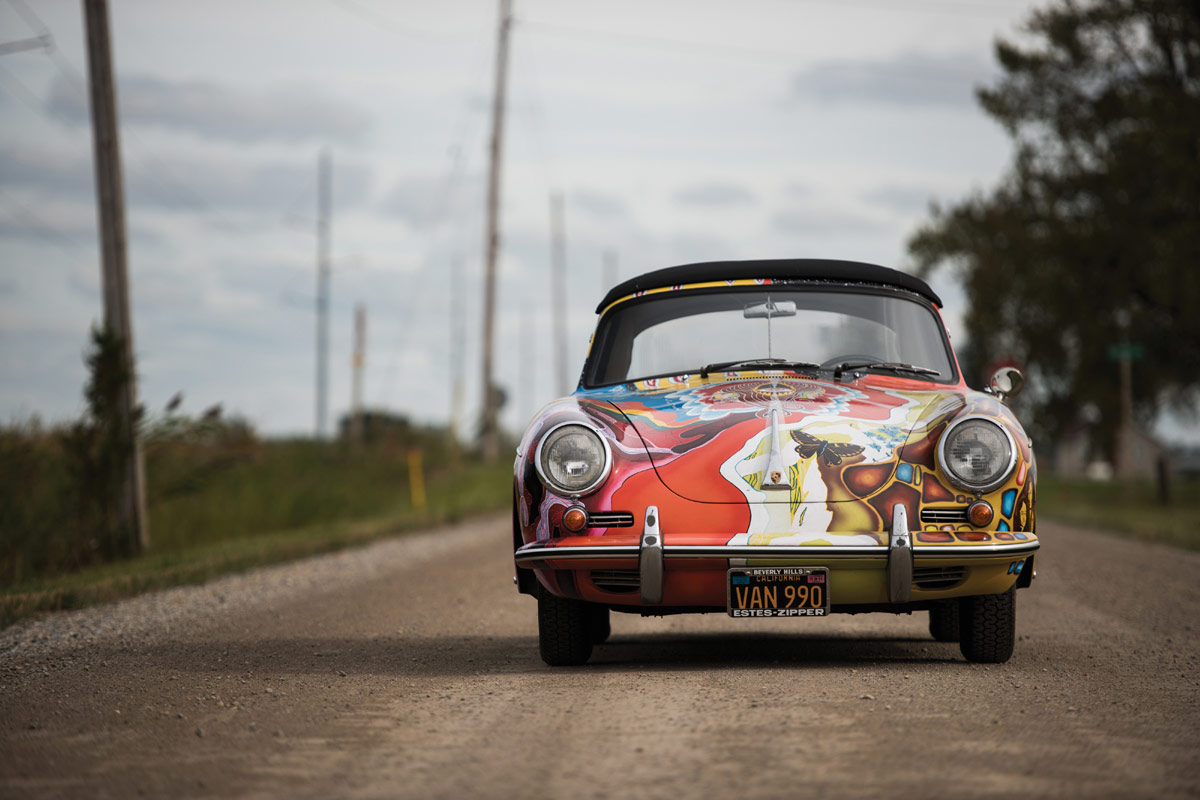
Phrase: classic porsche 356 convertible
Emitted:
{"points": [[786, 438]]}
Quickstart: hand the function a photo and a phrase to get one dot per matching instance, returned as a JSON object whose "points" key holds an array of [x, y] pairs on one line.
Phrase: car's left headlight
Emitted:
{"points": [[573, 459], [977, 454]]}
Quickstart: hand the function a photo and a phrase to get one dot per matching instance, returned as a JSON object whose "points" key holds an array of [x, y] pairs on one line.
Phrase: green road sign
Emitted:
{"points": [[1120, 352]]}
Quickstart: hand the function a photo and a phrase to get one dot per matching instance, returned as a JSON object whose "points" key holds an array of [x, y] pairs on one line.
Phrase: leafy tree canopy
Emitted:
{"points": [[1092, 239]]}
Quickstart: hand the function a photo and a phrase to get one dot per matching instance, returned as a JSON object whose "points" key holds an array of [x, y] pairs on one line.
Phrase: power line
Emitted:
{"points": [[21, 45], [537, 117], [729, 50], [153, 171], [439, 207], [31, 19], [950, 8], [383, 21]]}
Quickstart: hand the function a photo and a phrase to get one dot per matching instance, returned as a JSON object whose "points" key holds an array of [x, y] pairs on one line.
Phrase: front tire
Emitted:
{"points": [[943, 621], [564, 630], [988, 627]]}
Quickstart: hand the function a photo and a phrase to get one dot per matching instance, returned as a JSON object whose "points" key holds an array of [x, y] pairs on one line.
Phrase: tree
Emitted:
{"points": [[98, 449], [1092, 239]]}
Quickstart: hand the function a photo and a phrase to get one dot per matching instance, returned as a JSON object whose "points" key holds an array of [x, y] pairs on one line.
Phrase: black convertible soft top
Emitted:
{"points": [[776, 269]]}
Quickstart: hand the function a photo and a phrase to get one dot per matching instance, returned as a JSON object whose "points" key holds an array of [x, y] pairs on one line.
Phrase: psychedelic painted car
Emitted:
{"points": [[786, 438]]}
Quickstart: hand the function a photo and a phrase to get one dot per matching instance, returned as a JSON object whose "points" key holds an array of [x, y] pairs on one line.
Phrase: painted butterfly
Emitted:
{"points": [[831, 453]]}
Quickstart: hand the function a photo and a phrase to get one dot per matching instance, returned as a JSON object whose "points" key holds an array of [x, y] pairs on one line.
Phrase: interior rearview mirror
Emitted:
{"points": [[784, 308]]}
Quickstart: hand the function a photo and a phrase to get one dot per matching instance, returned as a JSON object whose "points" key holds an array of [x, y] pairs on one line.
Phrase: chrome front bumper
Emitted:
{"points": [[652, 554]]}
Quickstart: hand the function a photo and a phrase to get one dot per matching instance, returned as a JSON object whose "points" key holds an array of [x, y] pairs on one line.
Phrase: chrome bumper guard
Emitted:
{"points": [[650, 559], [900, 558]]}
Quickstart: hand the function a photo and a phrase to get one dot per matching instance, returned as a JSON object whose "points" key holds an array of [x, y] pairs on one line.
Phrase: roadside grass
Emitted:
{"points": [[225, 509], [1131, 509], [227, 501]]}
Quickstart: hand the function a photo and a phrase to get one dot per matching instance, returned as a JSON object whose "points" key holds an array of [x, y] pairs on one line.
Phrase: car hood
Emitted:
{"points": [[766, 439]]}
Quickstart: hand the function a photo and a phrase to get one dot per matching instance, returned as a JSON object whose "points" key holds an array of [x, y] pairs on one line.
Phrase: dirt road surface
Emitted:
{"points": [[410, 669]]}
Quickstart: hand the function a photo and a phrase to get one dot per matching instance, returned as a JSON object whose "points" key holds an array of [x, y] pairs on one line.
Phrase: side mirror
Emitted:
{"points": [[1006, 383]]}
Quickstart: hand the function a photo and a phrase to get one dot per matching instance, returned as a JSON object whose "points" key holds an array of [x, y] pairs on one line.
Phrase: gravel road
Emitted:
{"points": [[410, 669]]}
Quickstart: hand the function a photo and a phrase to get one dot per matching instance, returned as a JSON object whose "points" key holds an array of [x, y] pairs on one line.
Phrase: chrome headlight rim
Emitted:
{"points": [[959, 481], [565, 491]]}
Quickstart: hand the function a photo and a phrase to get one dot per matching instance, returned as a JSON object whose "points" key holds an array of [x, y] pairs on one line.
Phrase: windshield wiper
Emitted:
{"points": [[749, 363], [892, 366]]}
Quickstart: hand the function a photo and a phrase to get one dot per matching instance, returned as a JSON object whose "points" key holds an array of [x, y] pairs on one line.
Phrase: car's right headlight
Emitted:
{"points": [[573, 459], [977, 454]]}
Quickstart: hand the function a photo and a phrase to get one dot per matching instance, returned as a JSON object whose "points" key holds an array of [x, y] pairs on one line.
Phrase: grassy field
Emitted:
{"points": [[221, 501], [1133, 510]]}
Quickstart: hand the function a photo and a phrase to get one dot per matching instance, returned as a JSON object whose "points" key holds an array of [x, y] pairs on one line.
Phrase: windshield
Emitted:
{"points": [[682, 332]]}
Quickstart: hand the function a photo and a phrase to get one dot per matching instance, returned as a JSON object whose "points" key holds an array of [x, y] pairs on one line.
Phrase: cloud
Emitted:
{"points": [[901, 199], [425, 201], [64, 175], [690, 248], [288, 114], [598, 204], [220, 185], [715, 195], [908, 80], [823, 223], [52, 225], [191, 183]]}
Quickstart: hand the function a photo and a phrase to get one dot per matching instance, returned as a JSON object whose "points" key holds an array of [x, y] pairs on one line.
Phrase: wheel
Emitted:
{"points": [[943, 621], [988, 627], [564, 630], [601, 628]]}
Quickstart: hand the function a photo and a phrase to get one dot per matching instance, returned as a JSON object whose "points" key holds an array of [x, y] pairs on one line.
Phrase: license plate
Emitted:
{"points": [[778, 592]]}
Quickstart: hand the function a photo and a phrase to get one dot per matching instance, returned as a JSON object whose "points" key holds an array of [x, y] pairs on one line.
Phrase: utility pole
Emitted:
{"points": [[357, 363], [110, 210], [458, 323], [558, 291], [324, 206], [490, 434]]}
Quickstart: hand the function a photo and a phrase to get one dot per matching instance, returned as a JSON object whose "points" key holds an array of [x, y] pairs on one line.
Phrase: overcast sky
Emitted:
{"points": [[678, 131]]}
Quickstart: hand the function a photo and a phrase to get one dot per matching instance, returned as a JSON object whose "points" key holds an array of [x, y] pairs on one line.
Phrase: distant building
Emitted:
{"points": [[1074, 457], [1186, 461], [1073, 452], [1141, 453]]}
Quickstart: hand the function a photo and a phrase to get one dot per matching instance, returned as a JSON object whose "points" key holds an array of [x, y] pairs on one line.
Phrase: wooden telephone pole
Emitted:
{"points": [[357, 365], [110, 210], [490, 433], [324, 209]]}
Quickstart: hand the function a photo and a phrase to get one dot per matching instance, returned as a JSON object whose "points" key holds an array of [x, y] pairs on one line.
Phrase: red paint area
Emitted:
{"points": [[866, 479], [885, 501], [923, 451], [932, 491]]}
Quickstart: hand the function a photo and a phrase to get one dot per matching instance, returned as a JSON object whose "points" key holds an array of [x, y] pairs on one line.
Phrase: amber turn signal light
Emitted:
{"points": [[574, 519], [980, 513]]}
